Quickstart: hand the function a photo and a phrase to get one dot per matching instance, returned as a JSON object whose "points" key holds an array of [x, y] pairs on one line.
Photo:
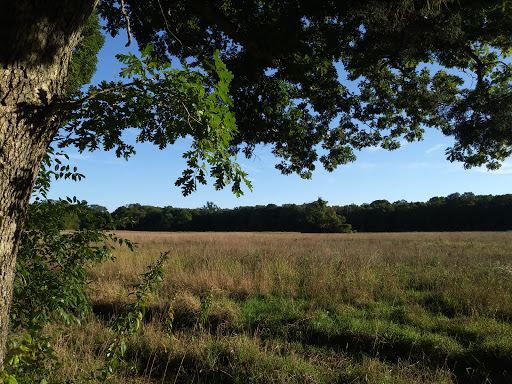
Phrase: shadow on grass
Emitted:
{"points": [[469, 362]]}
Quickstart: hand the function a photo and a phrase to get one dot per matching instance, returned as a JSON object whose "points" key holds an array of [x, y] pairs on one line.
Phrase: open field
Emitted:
{"points": [[309, 308]]}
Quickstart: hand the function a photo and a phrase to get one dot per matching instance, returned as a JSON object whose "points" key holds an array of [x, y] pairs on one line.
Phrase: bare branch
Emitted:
{"points": [[167, 24], [127, 24]]}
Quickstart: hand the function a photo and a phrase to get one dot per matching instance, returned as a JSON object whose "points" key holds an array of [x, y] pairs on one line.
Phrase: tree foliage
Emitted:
{"points": [[83, 63], [321, 218], [165, 104], [342, 76], [312, 217], [455, 212], [51, 281]]}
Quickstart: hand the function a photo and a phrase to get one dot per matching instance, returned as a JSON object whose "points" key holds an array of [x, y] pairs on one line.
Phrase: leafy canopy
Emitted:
{"points": [[165, 104], [320, 80]]}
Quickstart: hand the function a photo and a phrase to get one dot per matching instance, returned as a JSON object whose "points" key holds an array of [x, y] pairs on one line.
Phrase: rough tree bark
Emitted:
{"points": [[38, 38]]}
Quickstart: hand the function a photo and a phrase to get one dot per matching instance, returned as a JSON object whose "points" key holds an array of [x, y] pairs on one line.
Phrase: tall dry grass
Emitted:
{"points": [[324, 268], [290, 307]]}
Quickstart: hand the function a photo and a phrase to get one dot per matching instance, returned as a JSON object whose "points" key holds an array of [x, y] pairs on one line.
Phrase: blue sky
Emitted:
{"points": [[415, 172]]}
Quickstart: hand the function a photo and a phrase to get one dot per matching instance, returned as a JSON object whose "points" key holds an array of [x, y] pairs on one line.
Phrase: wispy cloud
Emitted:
{"points": [[249, 168], [505, 169], [434, 148]]}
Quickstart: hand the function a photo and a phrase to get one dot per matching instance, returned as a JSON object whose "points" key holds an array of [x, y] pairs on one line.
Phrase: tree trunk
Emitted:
{"points": [[38, 38]]}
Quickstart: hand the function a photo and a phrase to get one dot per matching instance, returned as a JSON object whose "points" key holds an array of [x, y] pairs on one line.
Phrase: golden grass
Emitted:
{"points": [[408, 306], [335, 267]]}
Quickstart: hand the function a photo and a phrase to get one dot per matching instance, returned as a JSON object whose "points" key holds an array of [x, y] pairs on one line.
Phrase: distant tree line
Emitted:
{"points": [[456, 212], [312, 217]]}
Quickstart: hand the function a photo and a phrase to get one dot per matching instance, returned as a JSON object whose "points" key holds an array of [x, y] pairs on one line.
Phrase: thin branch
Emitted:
{"points": [[189, 116], [68, 106], [167, 24], [127, 24]]}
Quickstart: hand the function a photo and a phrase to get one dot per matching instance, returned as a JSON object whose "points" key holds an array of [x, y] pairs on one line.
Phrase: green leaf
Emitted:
{"points": [[28, 338], [147, 50], [10, 380], [122, 347]]}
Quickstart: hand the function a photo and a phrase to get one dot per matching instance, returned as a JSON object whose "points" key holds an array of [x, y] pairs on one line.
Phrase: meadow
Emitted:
{"points": [[307, 308]]}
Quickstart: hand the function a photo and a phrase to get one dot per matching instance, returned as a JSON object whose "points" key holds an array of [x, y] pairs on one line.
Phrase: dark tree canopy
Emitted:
{"points": [[456, 212], [346, 75]]}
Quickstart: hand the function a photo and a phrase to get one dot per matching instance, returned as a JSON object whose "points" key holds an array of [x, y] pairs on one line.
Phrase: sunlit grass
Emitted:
{"points": [[313, 308]]}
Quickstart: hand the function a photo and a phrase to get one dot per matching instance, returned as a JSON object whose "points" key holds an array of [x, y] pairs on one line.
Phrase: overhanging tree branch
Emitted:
{"points": [[72, 105]]}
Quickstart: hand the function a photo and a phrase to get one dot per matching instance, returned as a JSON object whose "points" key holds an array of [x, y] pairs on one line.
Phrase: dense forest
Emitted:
{"points": [[456, 212], [312, 217]]}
